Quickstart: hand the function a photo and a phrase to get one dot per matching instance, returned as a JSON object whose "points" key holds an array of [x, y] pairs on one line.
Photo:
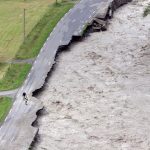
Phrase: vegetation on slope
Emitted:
{"points": [[14, 77], [5, 105], [146, 11]]}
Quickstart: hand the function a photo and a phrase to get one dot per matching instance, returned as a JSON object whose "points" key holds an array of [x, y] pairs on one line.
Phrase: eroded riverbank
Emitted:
{"points": [[97, 97]]}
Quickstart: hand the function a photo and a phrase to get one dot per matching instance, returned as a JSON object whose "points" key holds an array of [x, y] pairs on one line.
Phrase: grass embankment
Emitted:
{"points": [[147, 11], [36, 38], [14, 77], [5, 105]]}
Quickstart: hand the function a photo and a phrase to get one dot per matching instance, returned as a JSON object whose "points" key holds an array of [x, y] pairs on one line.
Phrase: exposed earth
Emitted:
{"points": [[98, 95]]}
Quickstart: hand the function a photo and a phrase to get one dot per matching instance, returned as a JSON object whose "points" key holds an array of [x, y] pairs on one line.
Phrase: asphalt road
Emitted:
{"points": [[16, 133]]}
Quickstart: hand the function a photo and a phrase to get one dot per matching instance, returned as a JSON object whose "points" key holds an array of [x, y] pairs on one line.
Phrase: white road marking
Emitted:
{"points": [[29, 75], [15, 101], [6, 118], [22, 89], [41, 50], [54, 29], [9, 112], [25, 82], [62, 19], [12, 139]]}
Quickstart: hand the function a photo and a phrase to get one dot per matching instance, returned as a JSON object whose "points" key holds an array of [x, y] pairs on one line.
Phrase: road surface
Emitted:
{"points": [[16, 133]]}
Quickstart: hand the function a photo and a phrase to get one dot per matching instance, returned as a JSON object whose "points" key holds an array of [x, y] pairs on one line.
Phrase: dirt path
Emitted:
{"points": [[10, 93], [98, 97]]}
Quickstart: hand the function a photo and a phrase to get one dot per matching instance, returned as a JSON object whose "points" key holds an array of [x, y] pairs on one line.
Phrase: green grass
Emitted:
{"points": [[146, 11], [3, 69], [5, 105], [14, 77], [39, 24], [36, 38], [11, 23]]}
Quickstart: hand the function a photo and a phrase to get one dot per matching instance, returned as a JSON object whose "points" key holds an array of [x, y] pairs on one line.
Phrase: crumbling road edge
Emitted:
{"points": [[102, 20], [17, 131]]}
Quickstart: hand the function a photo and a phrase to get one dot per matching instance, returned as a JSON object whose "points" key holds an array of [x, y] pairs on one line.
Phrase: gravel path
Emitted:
{"points": [[98, 97]]}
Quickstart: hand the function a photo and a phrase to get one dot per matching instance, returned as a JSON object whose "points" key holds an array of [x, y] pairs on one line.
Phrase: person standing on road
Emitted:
{"points": [[25, 98]]}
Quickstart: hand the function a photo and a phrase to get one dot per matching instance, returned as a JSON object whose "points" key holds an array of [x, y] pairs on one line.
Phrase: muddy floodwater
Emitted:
{"points": [[98, 96]]}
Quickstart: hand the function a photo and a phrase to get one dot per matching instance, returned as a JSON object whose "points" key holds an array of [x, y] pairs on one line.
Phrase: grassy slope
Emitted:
{"points": [[5, 105], [14, 77], [35, 40]]}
